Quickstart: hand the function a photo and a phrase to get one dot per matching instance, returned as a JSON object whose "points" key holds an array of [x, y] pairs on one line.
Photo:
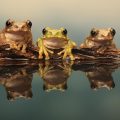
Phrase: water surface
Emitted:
{"points": [[60, 90]]}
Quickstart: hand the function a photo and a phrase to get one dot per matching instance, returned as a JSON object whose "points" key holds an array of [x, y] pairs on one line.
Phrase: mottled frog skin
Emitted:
{"points": [[53, 40], [100, 40], [17, 34]]}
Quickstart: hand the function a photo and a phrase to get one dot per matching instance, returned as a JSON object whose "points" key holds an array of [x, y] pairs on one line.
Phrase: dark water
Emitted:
{"points": [[58, 90]]}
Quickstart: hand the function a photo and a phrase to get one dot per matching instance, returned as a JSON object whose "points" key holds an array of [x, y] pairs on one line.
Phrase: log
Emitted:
{"points": [[6, 52]]}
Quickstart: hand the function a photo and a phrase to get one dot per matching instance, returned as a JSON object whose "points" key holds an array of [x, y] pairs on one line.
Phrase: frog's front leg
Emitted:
{"points": [[22, 47], [67, 67], [43, 50], [43, 69], [68, 50], [13, 45], [102, 49]]}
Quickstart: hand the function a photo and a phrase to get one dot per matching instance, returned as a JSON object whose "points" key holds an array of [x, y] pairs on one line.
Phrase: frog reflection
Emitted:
{"points": [[98, 74], [101, 78], [55, 75], [17, 81]]}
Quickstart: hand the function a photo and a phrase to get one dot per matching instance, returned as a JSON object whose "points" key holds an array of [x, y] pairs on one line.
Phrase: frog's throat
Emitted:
{"points": [[100, 39], [55, 43], [14, 36]]}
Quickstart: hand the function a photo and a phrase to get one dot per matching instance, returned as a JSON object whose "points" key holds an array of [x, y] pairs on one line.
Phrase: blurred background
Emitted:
{"points": [[78, 16]]}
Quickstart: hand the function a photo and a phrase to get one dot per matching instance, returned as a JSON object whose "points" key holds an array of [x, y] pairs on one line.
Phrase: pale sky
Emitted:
{"points": [[75, 9], [76, 15]]}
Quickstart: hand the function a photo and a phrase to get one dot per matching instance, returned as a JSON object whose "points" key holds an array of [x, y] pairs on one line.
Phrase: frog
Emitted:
{"points": [[100, 40], [100, 78], [55, 40], [17, 34], [55, 75], [17, 80]]}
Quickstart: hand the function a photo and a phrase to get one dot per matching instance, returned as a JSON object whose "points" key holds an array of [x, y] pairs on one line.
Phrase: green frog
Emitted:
{"points": [[55, 41]]}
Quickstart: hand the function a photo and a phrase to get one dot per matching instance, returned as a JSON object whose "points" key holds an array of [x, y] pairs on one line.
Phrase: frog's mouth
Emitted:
{"points": [[101, 39], [55, 42]]}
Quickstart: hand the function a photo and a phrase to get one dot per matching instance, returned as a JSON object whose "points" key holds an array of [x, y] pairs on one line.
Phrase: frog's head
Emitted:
{"points": [[102, 34], [102, 84], [13, 95], [49, 87], [14, 26], [50, 33]]}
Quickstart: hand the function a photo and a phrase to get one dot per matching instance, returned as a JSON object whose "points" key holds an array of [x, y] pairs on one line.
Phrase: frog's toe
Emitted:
{"points": [[72, 57], [40, 57], [23, 51], [61, 52], [47, 58]]}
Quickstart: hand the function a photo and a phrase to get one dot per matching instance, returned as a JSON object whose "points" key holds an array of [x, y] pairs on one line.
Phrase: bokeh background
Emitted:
{"points": [[78, 16], [79, 101]]}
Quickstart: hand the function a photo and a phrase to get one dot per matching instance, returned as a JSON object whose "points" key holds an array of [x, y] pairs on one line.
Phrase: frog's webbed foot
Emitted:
{"points": [[67, 52], [24, 48], [45, 51], [101, 50], [20, 46], [61, 52], [43, 70], [13, 46]]}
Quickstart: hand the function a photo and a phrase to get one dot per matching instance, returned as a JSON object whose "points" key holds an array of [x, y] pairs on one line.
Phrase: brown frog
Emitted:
{"points": [[17, 35], [101, 78], [100, 40], [17, 80]]}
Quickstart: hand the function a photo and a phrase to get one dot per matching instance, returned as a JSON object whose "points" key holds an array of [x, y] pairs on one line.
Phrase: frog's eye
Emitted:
{"points": [[29, 23], [65, 32], [44, 31], [93, 33], [8, 23], [113, 32]]}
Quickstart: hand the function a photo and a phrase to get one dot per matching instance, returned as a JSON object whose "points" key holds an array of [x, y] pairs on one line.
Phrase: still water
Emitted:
{"points": [[59, 90]]}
